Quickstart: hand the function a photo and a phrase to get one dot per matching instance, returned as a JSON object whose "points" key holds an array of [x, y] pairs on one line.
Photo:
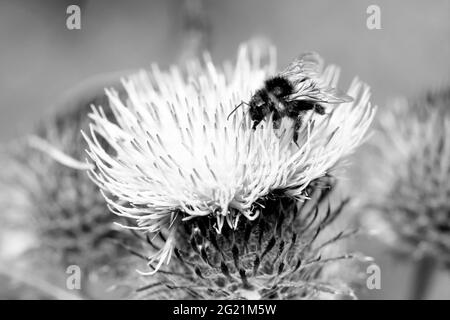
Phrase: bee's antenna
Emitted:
{"points": [[234, 110]]}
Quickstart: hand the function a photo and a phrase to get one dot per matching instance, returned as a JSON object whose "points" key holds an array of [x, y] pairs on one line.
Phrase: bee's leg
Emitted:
{"points": [[319, 109], [276, 118], [301, 105], [255, 124], [291, 109], [297, 126]]}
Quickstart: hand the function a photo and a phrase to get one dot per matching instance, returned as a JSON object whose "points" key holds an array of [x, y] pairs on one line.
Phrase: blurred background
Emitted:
{"points": [[41, 60]]}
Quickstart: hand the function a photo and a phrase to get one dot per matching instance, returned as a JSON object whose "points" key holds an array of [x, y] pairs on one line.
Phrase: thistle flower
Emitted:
{"points": [[63, 208], [175, 157], [411, 188]]}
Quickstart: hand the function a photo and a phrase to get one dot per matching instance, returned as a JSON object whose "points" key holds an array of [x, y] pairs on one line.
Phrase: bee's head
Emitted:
{"points": [[259, 99], [259, 105]]}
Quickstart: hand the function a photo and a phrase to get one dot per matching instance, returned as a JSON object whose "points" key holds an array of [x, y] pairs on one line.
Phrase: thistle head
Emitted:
{"points": [[60, 206], [174, 158], [290, 251], [411, 190]]}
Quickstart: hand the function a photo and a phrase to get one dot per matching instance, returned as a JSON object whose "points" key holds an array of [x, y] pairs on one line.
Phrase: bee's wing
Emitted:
{"points": [[307, 65], [327, 85], [332, 95], [307, 76], [315, 90]]}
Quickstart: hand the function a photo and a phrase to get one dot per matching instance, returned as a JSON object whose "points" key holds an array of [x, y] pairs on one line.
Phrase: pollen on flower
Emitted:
{"points": [[173, 156]]}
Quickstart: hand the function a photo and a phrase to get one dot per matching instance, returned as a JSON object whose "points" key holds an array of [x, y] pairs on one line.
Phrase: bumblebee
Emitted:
{"points": [[293, 92]]}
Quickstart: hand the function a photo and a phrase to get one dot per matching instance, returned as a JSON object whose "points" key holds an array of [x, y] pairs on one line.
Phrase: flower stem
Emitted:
{"points": [[422, 277]]}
